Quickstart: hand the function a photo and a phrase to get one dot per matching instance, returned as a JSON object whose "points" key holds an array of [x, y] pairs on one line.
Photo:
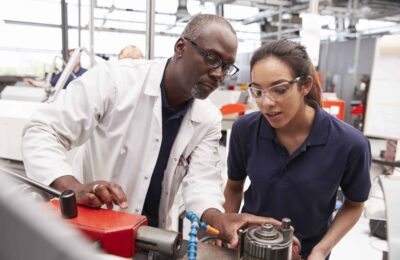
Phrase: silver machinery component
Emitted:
{"points": [[68, 70], [266, 242], [155, 239]]}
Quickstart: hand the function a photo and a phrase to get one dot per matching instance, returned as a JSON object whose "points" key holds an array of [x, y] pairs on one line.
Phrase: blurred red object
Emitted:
{"points": [[335, 107], [237, 108], [116, 231], [320, 77], [358, 110]]}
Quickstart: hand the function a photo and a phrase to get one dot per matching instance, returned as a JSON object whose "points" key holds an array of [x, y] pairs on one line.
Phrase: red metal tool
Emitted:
{"points": [[116, 231]]}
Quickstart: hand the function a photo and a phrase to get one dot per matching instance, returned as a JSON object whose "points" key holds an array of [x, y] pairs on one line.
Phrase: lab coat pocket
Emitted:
{"points": [[180, 172]]}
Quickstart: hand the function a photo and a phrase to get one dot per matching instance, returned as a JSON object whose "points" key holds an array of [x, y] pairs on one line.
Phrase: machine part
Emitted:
{"points": [[206, 252], [163, 241], [68, 204], [67, 198], [22, 93], [68, 71], [28, 231], [116, 231], [266, 242], [210, 239], [390, 185]]}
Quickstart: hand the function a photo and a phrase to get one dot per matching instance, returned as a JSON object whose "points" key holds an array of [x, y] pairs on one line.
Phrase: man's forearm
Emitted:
{"points": [[65, 182]]}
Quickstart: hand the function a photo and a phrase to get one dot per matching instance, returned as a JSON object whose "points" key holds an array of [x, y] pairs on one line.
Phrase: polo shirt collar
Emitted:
{"points": [[266, 130], [319, 130]]}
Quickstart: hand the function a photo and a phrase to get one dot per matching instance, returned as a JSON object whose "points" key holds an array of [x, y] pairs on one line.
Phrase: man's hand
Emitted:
{"points": [[229, 223], [93, 194]]}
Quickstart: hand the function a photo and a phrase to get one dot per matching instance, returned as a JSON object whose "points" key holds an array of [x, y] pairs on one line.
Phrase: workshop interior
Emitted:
{"points": [[49, 47]]}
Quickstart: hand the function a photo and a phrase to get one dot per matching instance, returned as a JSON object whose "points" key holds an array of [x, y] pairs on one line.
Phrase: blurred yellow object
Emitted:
{"points": [[212, 231]]}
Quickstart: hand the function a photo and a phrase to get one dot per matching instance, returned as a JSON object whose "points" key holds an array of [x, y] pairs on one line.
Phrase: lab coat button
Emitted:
{"points": [[157, 140], [146, 178], [175, 159], [136, 210]]}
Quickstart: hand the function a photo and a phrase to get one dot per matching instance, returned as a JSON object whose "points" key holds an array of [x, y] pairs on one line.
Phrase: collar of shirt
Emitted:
{"points": [[319, 130]]}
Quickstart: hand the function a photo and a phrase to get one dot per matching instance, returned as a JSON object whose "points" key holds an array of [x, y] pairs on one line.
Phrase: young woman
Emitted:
{"points": [[295, 154]]}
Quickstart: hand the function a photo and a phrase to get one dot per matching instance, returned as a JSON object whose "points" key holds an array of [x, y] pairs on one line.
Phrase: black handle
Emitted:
{"points": [[35, 184], [68, 204], [67, 198]]}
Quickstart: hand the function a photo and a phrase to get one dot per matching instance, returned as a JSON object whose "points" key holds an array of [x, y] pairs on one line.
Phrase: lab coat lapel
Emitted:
{"points": [[184, 139], [175, 173], [153, 89], [184, 136], [154, 78], [183, 146], [193, 116]]}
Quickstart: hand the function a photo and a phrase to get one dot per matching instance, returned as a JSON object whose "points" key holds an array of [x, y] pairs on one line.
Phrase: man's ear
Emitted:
{"points": [[179, 47]]}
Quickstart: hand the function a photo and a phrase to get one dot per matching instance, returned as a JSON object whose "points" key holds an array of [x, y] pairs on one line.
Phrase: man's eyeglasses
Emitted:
{"points": [[214, 61], [276, 92]]}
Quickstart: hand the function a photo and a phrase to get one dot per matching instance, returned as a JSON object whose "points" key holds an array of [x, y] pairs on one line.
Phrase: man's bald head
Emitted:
{"points": [[199, 23], [130, 51]]}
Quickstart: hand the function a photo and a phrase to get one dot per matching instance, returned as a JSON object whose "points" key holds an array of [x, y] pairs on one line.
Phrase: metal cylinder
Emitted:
{"points": [[267, 242], [163, 241], [68, 204]]}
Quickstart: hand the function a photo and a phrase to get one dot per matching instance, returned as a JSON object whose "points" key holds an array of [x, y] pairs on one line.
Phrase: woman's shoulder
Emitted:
{"points": [[245, 127], [247, 121], [348, 134]]}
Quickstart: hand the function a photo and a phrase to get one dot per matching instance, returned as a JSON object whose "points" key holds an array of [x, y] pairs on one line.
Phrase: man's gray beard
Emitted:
{"points": [[197, 93]]}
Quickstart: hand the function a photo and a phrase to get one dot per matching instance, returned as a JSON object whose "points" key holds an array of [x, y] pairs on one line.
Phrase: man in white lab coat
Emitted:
{"points": [[146, 127]]}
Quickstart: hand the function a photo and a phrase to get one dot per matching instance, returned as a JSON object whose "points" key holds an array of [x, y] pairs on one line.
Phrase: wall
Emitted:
{"points": [[338, 58]]}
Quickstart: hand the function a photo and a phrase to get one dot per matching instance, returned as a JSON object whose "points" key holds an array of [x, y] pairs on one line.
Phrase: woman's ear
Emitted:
{"points": [[179, 47], [307, 85]]}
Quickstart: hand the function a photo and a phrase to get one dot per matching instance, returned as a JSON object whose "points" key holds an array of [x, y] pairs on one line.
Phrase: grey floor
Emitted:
{"points": [[359, 245]]}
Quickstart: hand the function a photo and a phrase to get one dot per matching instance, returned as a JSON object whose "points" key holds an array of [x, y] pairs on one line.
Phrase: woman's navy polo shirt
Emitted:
{"points": [[301, 186]]}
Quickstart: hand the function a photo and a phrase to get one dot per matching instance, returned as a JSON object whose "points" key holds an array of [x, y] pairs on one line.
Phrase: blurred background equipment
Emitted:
{"points": [[383, 106]]}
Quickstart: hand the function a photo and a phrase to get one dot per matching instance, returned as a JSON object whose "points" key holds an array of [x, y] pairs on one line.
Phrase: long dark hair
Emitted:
{"points": [[295, 56]]}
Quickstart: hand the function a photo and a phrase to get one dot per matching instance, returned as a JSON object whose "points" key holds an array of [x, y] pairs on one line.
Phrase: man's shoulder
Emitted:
{"points": [[126, 64], [205, 110], [206, 105], [133, 62], [154, 68], [129, 64]]}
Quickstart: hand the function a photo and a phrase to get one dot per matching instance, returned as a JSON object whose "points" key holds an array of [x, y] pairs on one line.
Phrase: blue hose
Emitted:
{"points": [[194, 228]]}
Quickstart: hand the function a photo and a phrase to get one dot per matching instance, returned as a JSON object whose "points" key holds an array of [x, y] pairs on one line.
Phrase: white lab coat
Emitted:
{"points": [[114, 109]]}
